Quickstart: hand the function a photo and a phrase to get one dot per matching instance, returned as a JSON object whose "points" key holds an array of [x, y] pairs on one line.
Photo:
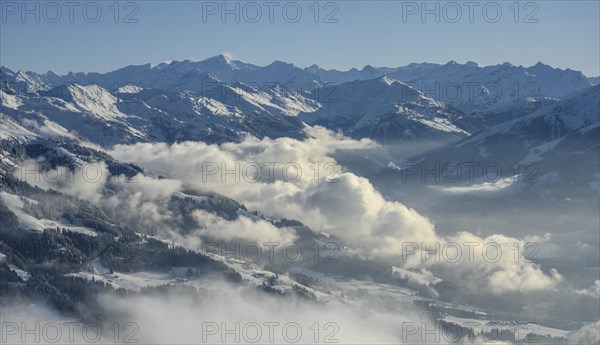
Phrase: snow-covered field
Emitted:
{"points": [[28, 222], [520, 329]]}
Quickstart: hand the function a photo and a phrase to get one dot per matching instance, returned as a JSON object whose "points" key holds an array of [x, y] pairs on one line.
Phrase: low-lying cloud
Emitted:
{"points": [[314, 190]]}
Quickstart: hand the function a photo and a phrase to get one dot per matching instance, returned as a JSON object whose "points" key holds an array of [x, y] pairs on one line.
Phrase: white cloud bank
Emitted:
{"points": [[299, 180]]}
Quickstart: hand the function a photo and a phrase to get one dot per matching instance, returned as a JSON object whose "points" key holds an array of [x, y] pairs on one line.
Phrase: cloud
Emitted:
{"points": [[228, 55], [136, 200], [497, 264], [228, 314], [86, 182], [293, 179], [297, 180], [246, 228], [332, 201], [244, 311], [588, 334], [592, 291], [355, 211]]}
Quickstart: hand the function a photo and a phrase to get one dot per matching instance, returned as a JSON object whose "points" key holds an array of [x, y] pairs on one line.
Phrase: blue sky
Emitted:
{"points": [[563, 34]]}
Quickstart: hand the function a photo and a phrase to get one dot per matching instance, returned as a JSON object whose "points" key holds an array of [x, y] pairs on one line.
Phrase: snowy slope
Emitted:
{"points": [[577, 112], [547, 157], [28, 222], [387, 110], [9, 129], [482, 88], [471, 87], [220, 99], [131, 114], [174, 74]]}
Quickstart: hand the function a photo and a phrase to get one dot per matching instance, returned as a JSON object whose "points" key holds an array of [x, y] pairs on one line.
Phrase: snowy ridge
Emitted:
{"points": [[384, 108]]}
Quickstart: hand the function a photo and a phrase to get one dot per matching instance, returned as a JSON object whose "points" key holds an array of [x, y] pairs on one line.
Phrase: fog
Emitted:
{"points": [[306, 183], [226, 314]]}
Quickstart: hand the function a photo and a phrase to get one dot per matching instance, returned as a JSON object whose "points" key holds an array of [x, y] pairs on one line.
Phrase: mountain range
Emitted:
{"points": [[220, 99], [542, 120]]}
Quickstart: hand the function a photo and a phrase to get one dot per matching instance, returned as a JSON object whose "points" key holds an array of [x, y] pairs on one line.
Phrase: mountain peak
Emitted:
{"points": [[314, 68], [541, 65], [281, 63], [220, 59], [282, 67], [369, 68]]}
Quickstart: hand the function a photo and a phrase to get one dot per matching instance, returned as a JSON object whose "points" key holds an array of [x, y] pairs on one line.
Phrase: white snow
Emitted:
{"points": [[520, 329], [49, 129], [129, 88], [95, 100], [495, 186], [129, 281], [443, 125], [198, 199], [9, 129], [9, 101], [580, 112], [28, 222], [423, 278], [22, 274]]}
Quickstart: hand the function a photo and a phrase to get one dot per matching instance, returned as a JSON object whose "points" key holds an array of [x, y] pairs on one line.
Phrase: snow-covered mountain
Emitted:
{"points": [[101, 236], [220, 99], [469, 87], [577, 113], [387, 110], [176, 75], [131, 114], [473, 88], [548, 156]]}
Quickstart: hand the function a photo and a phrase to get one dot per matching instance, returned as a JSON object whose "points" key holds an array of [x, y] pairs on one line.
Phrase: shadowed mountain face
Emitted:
{"points": [[560, 139], [390, 112]]}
